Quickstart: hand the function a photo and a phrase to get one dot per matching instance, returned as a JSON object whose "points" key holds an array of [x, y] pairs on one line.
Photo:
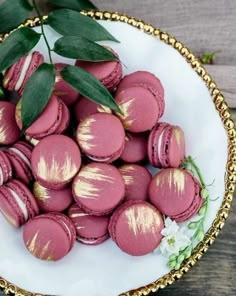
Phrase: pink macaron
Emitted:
{"points": [[137, 180], [176, 193], [5, 168], [90, 230], [136, 228], [18, 74], [17, 203], [50, 200], [9, 131], [49, 236], [53, 120], [84, 107], [55, 161], [101, 137], [147, 80], [62, 89], [109, 73], [166, 146], [135, 148], [20, 155], [98, 188], [140, 109]]}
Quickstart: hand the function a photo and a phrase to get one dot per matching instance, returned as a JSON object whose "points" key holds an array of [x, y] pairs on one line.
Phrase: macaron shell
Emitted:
{"points": [[62, 89], [176, 152], [85, 107], [55, 161], [64, 119], [90, 230], [136, 228], [98, 188], [9, 210], [5, 167], [135, 149], [137, 179], [46, 239], [140, 109], [12, 74], [9, 131], [94, 136], [172, 191], [50, 200]]}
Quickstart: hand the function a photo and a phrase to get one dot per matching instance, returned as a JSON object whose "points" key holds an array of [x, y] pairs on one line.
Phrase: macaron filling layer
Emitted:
{"points": [[21, 155], [20, 203], [23, 71]]}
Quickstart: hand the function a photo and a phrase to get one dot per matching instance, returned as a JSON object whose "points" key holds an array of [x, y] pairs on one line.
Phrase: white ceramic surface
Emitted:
{"points": [[104, 270]]}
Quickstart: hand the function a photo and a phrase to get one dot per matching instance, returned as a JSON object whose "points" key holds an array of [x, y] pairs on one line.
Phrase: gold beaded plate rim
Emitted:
{"points": [[230, 177]]}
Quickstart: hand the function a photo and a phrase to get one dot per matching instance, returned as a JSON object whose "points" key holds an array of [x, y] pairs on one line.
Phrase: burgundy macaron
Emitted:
{"points": [[55, 161], [90, 230], [9, 131], [147, 80], [176, 193], [17, 203], [101, 137], [166, 146], [18, 74], [50, 200], [20, 156], [53, 120], [137, 180], [49, 236], [109, 73], [136, 228], [5, 168], [62, 89], [140, 109], [135, 148], [98, 188], [85, 107]]}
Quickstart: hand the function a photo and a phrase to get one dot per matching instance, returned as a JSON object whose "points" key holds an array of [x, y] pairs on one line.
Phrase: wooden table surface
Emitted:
{"points": [[203, 26]]}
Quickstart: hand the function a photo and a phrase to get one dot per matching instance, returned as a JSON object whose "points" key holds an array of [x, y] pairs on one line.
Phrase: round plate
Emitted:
{"points": [[194, 102]]}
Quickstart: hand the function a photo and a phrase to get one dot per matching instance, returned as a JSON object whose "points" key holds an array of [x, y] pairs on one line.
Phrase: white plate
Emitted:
{"points": [[104, 270]]}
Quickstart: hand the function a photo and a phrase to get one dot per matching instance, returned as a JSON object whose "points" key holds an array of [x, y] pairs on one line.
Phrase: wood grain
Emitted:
{"points": [[204, 26]]}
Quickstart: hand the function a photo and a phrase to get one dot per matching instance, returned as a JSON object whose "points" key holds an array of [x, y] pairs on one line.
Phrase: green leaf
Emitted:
{"points": [[37, 93], [77, 25], [1, 93], [188, 252], [180, 259], [18, 44], [202, 211], [13, 13], [82, 49], [89, 86], [173, 257], [177, 266], [172, 264], [200, 235], [204, 193], [193, 225], [75, 4]]}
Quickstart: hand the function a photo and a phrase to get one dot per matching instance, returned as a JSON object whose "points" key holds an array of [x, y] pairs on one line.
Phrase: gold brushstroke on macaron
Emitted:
{"points": [[32, 141], [55, 171], [142, 219], [40, 192], [125, 170], [31, 244], [84, 187], [8, 217], [75, 215], [50, 257], [104, 109], [44, 250], [178, 134], [174, 178], [3, 129], [125, 107], [84, 135]]}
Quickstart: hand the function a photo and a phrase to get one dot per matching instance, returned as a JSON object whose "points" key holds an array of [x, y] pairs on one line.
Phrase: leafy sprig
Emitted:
{"points": [[175, 260], [80, 34], [208, 57]]}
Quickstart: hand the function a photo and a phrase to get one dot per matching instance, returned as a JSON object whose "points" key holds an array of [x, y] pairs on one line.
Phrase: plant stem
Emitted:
{"points": [[192, 162], [42, 30]]}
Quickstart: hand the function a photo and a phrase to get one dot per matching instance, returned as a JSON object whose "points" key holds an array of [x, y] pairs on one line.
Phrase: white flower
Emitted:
{"points": [[174, 238]]}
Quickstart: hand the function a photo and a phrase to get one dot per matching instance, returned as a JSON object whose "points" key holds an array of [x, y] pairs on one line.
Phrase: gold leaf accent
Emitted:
{"points": [[8, 217], [125, 107], [84, 136], [31, 245], [104, 109], [174, 177], [40, 192], [3, 129], [142, 220], [178, 134], [44, 250], [125, 170], [56, 172], [50, 257], [84, 187]]}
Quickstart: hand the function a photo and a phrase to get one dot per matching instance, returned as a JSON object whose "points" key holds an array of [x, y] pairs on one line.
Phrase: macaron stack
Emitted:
{"points": [[79, 171]]}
